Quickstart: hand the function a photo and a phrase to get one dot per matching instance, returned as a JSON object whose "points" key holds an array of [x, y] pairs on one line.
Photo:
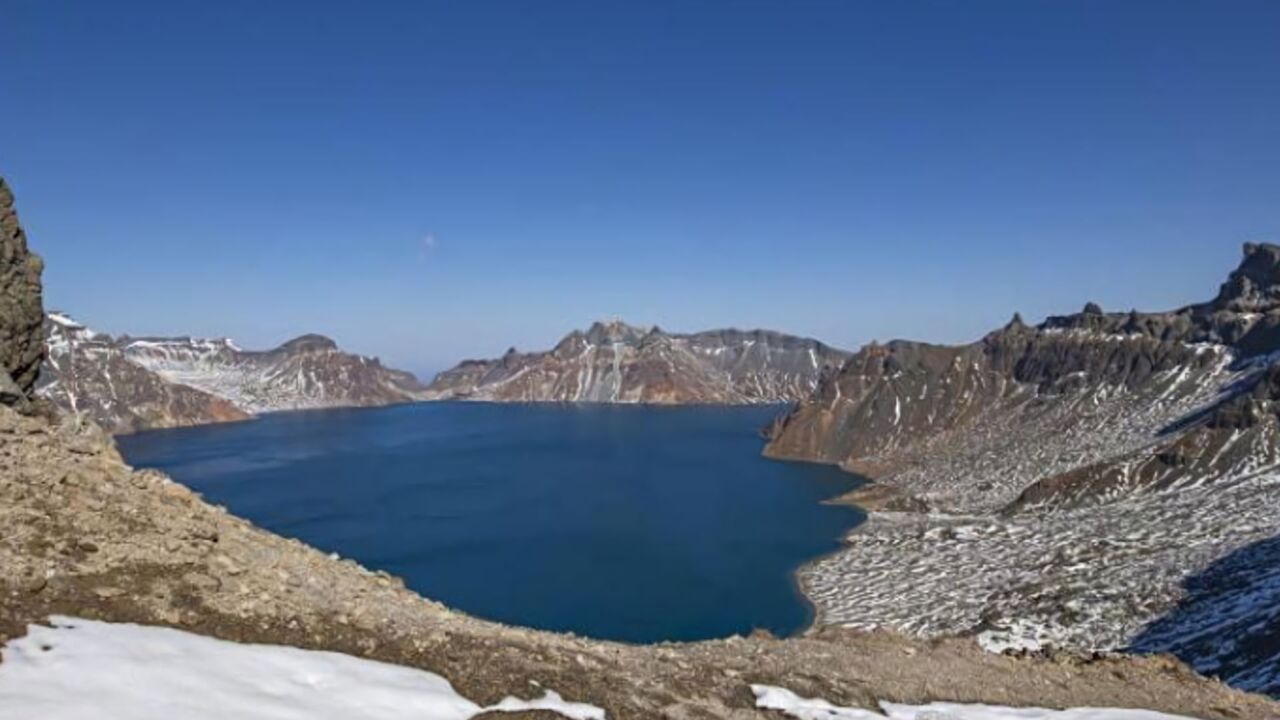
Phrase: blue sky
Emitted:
{"points": [[847, 170]]}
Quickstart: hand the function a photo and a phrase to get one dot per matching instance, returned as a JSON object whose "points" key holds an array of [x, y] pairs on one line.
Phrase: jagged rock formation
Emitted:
{"points": [[128, 384], [1078, 471], [88, 372], [21, 313], [618, 363]]}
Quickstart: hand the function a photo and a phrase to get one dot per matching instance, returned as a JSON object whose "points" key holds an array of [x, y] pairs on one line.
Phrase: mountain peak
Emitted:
{"points": [[614, 331], [1255, 284], [309, 343]]}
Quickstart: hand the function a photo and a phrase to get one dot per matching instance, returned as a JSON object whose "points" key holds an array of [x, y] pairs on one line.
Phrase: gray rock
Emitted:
{"points": [[21, 312]]}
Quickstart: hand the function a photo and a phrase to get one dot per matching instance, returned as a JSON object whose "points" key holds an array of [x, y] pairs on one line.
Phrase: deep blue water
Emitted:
{"points": [[628, 523]]}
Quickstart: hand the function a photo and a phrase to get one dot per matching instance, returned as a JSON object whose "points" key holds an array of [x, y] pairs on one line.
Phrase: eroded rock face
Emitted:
{"points": [[619, 363], [21, 313]]}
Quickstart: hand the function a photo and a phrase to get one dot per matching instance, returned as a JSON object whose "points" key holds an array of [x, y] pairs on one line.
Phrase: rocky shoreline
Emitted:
{"points": [[96, 539]]}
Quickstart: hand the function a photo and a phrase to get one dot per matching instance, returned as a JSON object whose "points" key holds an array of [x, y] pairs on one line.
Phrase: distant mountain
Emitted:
{"points": [[129, 384], [619, 363]]}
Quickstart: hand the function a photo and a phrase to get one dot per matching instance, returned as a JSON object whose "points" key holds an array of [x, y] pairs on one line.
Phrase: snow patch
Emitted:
{"points": [[64, 320], [88, 669], [776, 698]]}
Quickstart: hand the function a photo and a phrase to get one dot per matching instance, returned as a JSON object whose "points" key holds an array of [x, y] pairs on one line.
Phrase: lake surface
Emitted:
{"points": [[619, 522]]}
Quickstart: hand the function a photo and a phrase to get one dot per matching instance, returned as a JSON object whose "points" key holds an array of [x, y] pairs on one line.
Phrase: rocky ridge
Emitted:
{"points": [[619, 363], [127, 384], [1080, 474]]}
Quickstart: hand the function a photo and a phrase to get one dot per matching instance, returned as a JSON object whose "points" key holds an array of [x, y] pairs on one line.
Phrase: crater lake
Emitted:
{"points": [[633, 523]]}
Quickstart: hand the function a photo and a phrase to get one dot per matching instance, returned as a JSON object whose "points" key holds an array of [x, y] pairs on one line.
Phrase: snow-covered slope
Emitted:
{"points": [[128, 384], [79, 669], [1080, 475], [802, 708], [618, 363]]}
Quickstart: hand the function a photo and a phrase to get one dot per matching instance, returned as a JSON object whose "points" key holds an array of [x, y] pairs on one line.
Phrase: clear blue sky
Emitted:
{"points": [[848, 170]]}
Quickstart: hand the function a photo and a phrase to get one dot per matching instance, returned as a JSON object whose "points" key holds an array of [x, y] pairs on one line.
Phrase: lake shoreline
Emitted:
{"points": [[727, 520]]}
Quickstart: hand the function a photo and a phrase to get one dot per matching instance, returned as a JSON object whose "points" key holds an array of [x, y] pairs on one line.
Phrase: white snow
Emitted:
{"points": [[776, 698], [88, 669], [64, 320]]}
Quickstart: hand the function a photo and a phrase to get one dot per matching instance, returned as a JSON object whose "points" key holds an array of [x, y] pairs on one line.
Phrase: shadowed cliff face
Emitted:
{"points": [[1079, 407], [619, 363], [21, 313]]}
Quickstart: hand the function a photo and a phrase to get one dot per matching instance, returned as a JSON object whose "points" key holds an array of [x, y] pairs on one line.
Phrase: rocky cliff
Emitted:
{"points": [[1081, 473], [619, 363], [127, 384], [21, 313]]}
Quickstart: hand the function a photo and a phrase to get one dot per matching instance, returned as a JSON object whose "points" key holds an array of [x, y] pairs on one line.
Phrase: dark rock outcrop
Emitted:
{"points": [[21, 313], [619, 363]]}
